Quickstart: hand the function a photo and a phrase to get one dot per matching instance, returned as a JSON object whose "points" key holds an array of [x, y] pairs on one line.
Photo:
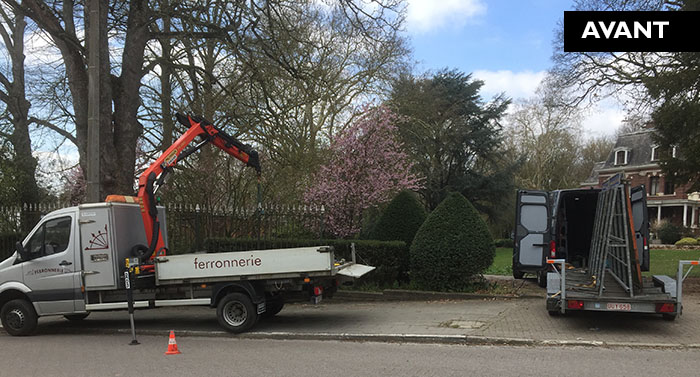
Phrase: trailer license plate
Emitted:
{"points": [[618, 306]]}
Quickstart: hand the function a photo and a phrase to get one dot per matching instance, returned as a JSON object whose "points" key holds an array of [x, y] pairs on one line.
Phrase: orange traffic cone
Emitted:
{"points": [[172, 345]]}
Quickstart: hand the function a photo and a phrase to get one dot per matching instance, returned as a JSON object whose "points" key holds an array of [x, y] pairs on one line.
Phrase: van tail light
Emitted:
{"points": [[574, 304], [552, 249], [665, 308]]}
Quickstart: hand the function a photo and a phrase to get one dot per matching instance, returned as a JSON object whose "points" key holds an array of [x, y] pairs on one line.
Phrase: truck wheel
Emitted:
{"points": [[18, 317], [272, 307], [518, 274], [236, 313], [76, 317]]}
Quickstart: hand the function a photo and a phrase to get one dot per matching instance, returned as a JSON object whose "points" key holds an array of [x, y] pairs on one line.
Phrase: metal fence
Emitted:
{"points": [[189, 224]]}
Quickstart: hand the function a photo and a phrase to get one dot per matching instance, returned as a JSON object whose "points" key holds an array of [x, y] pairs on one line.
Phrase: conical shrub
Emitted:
{"points": [[401, 219], [451, 246]]}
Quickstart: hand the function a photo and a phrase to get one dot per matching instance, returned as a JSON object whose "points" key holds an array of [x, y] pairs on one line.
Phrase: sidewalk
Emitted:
{"points": [[517, 321]]}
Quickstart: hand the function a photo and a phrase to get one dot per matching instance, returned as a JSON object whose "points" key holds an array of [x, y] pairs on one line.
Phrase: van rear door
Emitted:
{"points": [[532, 221], [640, 215]]}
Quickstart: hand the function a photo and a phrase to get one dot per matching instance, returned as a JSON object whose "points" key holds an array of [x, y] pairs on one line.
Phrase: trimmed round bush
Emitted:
{"points": [[451, 246], [401, 219], [687, 241]]}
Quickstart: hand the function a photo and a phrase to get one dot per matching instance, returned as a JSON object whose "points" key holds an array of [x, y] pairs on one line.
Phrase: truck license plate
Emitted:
{"points": [[619, 306]]}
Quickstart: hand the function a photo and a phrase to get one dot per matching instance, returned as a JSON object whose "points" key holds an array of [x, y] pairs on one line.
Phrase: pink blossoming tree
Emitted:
{"points": [[367, 166]]}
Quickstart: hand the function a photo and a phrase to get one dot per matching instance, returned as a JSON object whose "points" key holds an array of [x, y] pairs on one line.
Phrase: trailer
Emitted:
{"points": [[592, 246], [79, 260]]}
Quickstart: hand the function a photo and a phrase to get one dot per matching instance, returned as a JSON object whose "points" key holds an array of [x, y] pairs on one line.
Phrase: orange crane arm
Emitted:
{"points": [[154, 176]]}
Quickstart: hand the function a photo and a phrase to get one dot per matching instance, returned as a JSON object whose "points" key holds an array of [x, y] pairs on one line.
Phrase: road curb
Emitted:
{"points": [[409, 295], [406, 338]]}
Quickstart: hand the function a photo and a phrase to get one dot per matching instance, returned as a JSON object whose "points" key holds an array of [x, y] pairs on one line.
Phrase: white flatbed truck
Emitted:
{"points": [[74, 261]]}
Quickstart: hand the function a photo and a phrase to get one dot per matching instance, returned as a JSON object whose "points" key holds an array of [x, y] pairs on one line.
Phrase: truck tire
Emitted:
{"points": [[18, 317], [236, 313], [76, 317], [273, 306]]}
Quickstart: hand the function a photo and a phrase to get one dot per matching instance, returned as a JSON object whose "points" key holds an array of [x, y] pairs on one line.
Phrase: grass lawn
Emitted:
{"points": [[502, 262], [663, 262]]}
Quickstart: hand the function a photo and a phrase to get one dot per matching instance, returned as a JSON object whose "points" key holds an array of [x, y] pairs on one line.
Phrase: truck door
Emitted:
{"points": [[51, 269], [640, 216], [531, 231]]}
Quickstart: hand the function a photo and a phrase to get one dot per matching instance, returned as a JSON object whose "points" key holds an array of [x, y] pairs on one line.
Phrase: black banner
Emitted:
{"points": [[671, 31]]}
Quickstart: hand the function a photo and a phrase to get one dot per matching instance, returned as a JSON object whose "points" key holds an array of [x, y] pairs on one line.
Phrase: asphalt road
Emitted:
{"points": [[110, 355]]}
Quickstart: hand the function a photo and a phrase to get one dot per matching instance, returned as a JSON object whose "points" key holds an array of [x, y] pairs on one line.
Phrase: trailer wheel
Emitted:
{"points": [[553, 313], [76, 317], [669, 317], [236, 313], [18, 317], [273, 306]]}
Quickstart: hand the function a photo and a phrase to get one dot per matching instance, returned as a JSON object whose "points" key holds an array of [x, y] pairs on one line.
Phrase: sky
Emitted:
{"points": [[505, 43]]}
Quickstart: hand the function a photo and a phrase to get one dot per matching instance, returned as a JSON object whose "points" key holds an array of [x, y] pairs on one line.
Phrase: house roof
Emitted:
{"points": [[592, 179], [638, 146]]}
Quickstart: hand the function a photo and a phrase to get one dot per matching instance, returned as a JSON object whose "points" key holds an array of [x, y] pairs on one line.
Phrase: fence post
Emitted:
{"points": [[197, 228], [323, 218]]}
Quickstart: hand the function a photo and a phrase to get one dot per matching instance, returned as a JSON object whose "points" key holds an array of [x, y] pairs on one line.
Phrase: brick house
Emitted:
{"points": [[637, 157]]}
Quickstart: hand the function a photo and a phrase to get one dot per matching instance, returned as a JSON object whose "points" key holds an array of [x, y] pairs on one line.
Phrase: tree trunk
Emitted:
{"points": [[18, 107]]}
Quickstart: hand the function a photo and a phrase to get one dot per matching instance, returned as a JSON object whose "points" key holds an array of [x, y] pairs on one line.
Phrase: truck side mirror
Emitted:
{"points": [[22, 251]]}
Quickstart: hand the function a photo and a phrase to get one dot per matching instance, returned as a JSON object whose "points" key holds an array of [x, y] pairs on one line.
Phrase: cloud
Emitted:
{"points": [[514, 84], [604, 118], [426, 15]]}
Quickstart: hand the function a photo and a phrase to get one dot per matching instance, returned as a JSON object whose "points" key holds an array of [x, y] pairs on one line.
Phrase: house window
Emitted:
{"points": [[621, 157], [669, 188], [655, 153], [653, 185]]}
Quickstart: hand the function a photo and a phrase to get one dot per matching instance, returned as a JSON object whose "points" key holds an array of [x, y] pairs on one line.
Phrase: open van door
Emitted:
{"points": [[532, 221], [640, 215]]}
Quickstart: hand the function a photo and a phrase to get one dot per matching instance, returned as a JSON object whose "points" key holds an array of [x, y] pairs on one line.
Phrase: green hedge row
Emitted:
{"points": [[389, 257]]}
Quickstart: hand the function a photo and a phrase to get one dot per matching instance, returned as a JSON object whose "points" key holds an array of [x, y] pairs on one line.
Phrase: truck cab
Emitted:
{"points": [[559, 225], [43, 276]]}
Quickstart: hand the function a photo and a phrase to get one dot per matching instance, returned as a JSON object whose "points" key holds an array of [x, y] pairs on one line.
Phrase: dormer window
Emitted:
{"points": [[656, 153], [621, 156]]}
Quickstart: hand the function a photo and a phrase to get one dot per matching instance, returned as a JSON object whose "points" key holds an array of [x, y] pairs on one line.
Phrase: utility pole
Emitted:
{"points": [[93, 144]]}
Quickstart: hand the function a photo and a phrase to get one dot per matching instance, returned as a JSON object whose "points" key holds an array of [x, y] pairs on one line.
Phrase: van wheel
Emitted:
{"points": [[542, 279], [518, 274], [76, 317], [236, 313], [18, 317]]}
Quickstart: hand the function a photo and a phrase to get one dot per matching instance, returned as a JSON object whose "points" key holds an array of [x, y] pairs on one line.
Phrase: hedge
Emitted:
{"points": [[386, 256], [503, 242], [687, 241]]}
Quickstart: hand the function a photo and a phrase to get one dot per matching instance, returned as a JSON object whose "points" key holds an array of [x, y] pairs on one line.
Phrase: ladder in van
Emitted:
{"points": [[613, 247]]}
